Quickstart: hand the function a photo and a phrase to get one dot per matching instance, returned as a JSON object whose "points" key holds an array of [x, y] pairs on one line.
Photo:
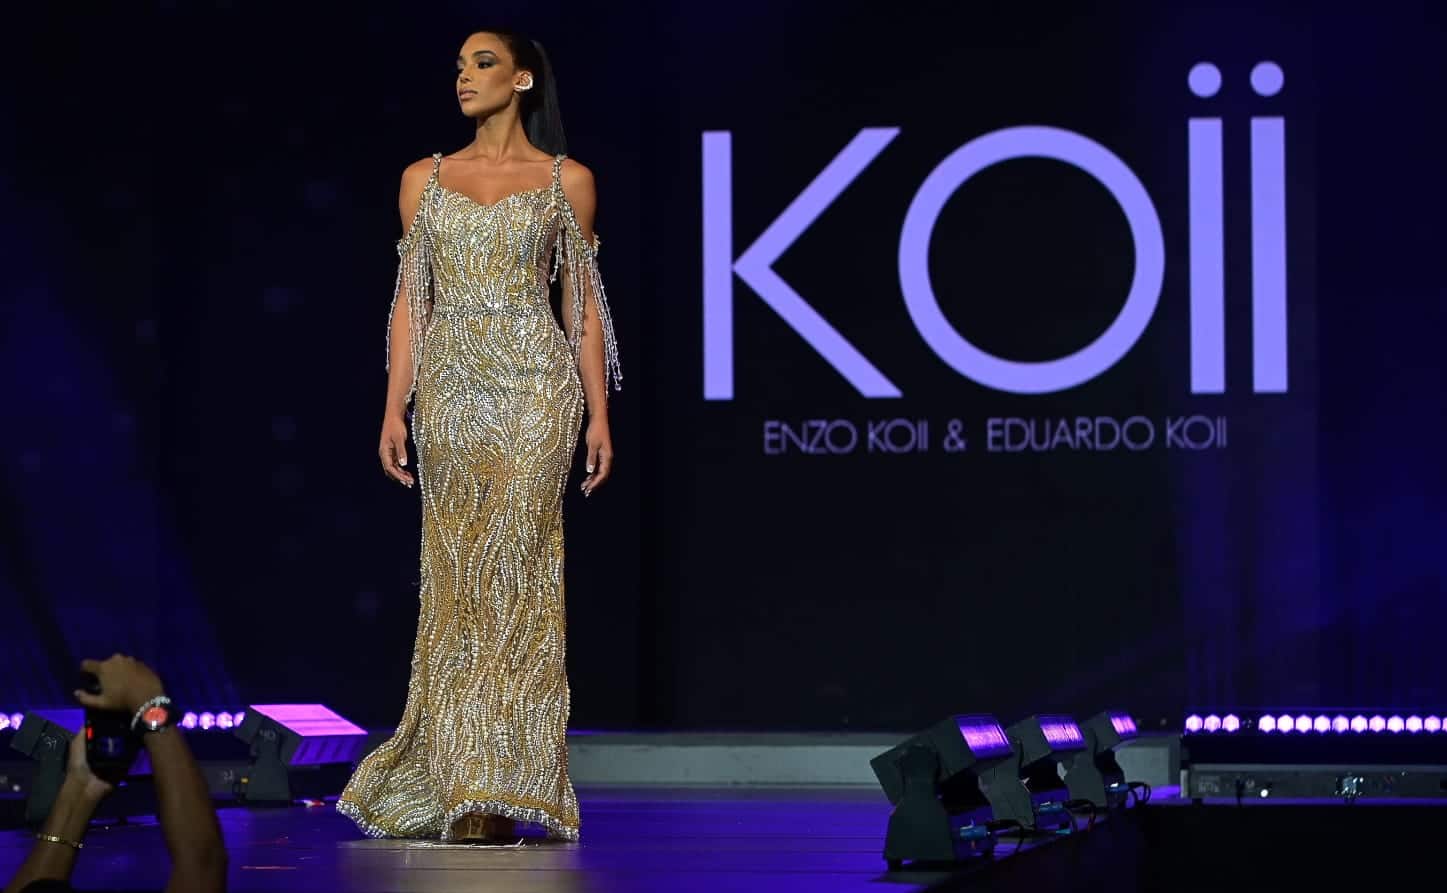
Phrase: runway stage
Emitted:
{"points": [[809, 840], [705, 840]]}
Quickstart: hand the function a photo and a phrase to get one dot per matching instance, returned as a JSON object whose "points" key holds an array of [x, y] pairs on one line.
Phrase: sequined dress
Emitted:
{"points": [[498, 410]]}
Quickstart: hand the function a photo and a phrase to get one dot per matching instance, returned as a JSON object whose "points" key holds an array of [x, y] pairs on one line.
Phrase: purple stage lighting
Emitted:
{"points": [[1303, 723], [1395, 724], [1414, 724], [1340, 724], [1321, 724], [188, 720], [1213, 723], [207, 721], [1062, 732], [1193, 723], [224, 721], [1123, 724], [1266, 723], [311, 734], [4, 721], [16, 719], [1230, 723], [1359, 724], [1377, 724], [1285, 723], [983, 736], [1432, 724]]}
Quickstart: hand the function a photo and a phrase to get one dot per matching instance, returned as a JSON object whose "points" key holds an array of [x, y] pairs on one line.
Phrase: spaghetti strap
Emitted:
{"points": [[558, 172]]}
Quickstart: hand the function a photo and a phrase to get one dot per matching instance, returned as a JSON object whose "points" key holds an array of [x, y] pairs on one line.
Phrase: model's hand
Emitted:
{"points": [[125, 684], [393, 450], [600, 455]]}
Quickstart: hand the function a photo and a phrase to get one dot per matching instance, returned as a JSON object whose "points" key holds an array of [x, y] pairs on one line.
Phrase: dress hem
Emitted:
{"points": [[556, 829]]}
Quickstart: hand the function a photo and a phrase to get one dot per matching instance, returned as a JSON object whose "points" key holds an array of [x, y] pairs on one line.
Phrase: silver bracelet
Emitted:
{"points": [[141, 711]]}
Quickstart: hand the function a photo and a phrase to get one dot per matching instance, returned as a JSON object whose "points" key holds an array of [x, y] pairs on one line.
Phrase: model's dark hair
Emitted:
{"points": [[542, 120]]}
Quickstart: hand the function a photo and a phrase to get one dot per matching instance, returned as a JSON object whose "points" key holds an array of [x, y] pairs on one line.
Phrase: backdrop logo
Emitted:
{"points": [[1207, 255]]}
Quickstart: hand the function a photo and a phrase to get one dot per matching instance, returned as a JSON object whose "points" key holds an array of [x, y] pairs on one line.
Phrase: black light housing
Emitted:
{"points": [[1093, 773], [933, 777], [1037, 744], [44, 736]]}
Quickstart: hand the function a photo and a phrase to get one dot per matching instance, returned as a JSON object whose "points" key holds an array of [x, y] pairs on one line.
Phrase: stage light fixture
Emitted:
{"points": [[1093, 773], [1038, 743], [933, 780], [1328, 753], [285, 738], [44, 736]]}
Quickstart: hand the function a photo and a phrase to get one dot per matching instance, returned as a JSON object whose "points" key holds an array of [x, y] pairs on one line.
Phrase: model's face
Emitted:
{"points": [[487, 76]]}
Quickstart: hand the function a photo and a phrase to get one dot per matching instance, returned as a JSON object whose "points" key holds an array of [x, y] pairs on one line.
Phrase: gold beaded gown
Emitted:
{"points": [[499, 405]]}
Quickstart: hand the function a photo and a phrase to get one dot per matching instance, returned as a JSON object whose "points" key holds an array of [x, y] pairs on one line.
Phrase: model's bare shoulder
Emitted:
{"points": [[409, 196], [577, 177], [581, 192]]}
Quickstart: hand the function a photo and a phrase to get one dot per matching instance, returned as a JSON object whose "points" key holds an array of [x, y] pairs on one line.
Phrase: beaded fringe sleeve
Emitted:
{"points": [[414, 284], [578, 259]]}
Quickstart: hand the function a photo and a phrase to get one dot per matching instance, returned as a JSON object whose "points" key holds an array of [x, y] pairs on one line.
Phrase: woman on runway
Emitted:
{"points": [[500, 396]]}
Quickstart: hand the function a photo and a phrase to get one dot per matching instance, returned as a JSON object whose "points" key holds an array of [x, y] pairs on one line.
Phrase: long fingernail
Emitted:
{"points": [[403, 462], [590, 469]]}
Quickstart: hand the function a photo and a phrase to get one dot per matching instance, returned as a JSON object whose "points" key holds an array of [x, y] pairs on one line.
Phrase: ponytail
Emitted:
{"points": [[542, 120]]}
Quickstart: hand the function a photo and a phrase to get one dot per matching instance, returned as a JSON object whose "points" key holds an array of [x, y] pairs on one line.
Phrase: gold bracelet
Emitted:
{"points": [[50, 838]]}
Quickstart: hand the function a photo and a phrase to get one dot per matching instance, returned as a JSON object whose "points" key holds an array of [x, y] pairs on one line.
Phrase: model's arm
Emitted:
{"points": [[582, 195], [582, 283], [79, 795], [401, 370]]}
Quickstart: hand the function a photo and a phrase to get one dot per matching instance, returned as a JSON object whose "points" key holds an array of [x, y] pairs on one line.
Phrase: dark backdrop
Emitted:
{"points": [[201, 207]]}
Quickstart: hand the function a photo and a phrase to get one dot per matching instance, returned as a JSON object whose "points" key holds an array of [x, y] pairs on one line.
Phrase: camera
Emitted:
{"points": [[110, 745]]}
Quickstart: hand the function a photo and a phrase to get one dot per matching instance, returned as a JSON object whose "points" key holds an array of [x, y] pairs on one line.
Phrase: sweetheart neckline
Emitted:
{"points": [[511, 195]]}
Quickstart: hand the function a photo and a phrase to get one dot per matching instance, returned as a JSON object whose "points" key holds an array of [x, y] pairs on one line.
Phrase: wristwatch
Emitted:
{"points": [[156, 714]]}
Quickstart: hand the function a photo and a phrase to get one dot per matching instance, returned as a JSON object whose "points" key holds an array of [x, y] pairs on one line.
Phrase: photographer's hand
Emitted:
{"points": [[125, 684], [53, 855], [183, 800]]}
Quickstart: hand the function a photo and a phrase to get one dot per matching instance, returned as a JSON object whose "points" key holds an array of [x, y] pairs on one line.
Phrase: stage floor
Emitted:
{"points": [[704, 840]]}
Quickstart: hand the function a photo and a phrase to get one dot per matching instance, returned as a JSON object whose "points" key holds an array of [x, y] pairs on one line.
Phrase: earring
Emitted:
{"points": [[525, 87]]}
